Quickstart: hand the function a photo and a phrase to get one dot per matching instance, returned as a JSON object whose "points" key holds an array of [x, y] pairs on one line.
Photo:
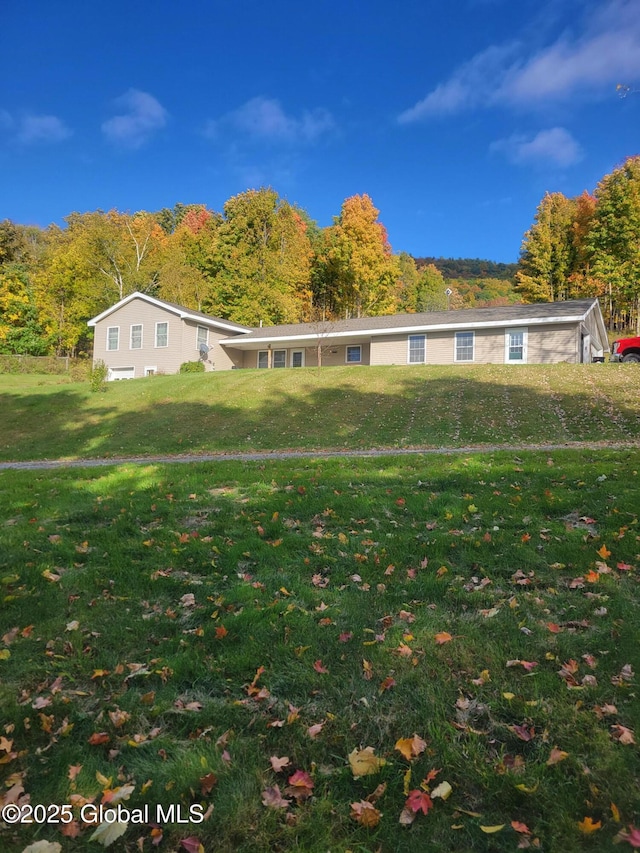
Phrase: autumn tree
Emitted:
{"points": [[545, 259], [406, 286], [614, 237], [365, 268], [21, 330], [262, 262], [188, 258]]}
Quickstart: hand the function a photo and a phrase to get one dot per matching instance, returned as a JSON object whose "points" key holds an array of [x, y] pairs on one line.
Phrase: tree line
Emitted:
{"points": [[260, 260], [588, 246]]}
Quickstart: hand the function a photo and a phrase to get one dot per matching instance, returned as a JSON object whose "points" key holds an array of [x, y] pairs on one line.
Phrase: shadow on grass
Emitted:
{"points": [[403, 408]]}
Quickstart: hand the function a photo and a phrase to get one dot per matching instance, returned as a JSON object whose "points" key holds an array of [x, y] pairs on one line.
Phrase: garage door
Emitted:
{"points": [[122, 373]]}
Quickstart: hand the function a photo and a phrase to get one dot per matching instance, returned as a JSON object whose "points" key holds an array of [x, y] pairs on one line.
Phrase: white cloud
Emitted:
{"points": [[31, 129], [472, 84], [605, 51], [264, 118], [555, 146], [142, 116]]}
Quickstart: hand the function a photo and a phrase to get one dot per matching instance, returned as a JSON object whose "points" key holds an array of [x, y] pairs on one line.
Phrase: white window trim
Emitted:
{"points": [[424, 338], [525, 335], [131, 328], [293, 352], [117, 346], [346, 353], [151, 368], [206, 332], [473, 347], [262, 352], [161, 323], [273, 357]]}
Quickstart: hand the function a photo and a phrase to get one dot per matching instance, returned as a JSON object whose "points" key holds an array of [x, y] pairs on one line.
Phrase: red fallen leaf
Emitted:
{"points": [[345, 636], [300, 785], [192, 844], [553, 627], [625, 567], [527, 665], [418, 801], [520, 827], [320, 667], [387, 683], [221, 632], [524, 733], [98, 738], [400, 502], [525, 537], [632, 837], [207, 783]]}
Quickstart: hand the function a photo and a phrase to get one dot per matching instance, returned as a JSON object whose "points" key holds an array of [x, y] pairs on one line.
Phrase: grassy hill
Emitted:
{"points": [[341, 408]]}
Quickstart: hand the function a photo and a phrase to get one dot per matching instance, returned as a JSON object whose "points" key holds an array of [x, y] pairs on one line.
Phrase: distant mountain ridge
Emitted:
{"points": [[469, 268]]}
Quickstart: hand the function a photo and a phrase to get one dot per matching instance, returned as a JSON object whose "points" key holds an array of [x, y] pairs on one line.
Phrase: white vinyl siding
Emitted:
{"points": [[113, 338], [136, 336], [515, 346], [353, 354], [162, 334], [464, 346], [417, 349]]}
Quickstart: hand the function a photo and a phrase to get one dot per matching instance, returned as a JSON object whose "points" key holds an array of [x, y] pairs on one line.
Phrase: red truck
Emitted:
{"points": [[626, 349]]}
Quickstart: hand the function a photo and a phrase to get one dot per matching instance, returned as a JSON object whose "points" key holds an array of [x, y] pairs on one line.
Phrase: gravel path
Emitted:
{"points": [[47, 464]]}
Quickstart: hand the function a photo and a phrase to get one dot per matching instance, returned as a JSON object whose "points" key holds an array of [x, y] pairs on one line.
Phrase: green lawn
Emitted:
{"points": [[350, 407], [223, 636]]}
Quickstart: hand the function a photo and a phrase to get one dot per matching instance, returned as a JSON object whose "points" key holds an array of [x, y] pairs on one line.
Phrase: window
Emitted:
{"points": [[279, 358], [515, 346], [136, 337], [417, 349], [162, 334], [263, 358], [113, 337], [150, 371], [297, 358], [354, 354], [464, 346], [202, 336]]}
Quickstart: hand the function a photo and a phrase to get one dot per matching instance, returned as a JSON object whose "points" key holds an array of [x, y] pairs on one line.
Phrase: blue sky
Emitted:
{"points": [[455, 117]]}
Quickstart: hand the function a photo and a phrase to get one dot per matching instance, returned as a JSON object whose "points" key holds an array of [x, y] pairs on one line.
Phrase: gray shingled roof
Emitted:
{"points": [[456, 319]]}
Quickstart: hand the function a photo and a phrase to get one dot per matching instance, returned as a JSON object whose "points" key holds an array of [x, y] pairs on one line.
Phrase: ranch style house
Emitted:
{"points": [[141, 335]]}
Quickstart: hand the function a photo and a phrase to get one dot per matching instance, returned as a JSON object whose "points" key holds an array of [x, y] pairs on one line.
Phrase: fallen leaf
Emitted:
{"points": [[273, 799], [364, 762], [489, 830], [365, 813], [278, 764], [588, 825], [411, 747], [622, 734], [443, 637], [107, 832], [556, 756]]}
